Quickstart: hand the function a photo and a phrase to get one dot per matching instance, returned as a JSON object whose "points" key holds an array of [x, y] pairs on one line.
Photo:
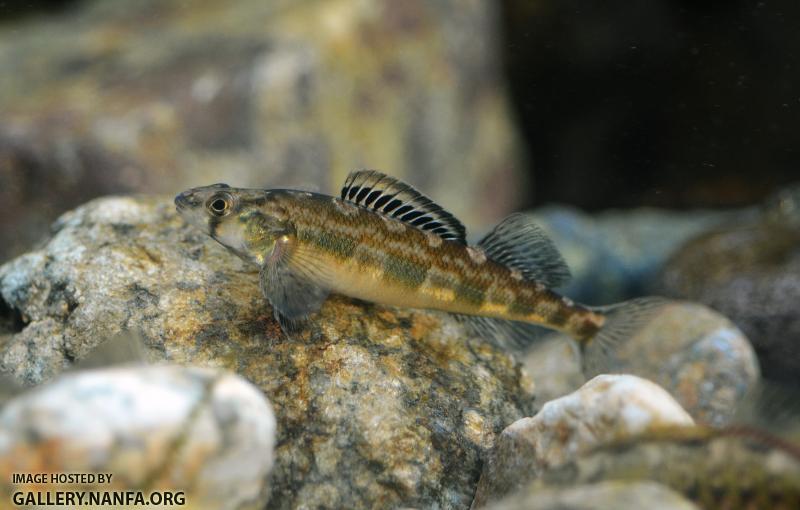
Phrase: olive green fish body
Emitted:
{"points": [[383, 241], [371, 257]]}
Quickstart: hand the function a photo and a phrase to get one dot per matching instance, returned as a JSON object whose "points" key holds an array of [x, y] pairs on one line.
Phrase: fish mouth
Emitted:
{"points": [[182, 201], [187, 205]]}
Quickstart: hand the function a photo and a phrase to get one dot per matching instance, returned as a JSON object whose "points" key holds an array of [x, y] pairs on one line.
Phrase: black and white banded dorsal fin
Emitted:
{"points": [[395, 199], [518, 243]]}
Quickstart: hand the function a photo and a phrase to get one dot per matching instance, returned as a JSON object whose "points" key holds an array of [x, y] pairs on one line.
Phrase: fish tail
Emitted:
{"points": [[622, 322]]}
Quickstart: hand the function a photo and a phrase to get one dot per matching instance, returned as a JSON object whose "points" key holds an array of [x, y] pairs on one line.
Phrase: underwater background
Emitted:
{"points": [[656, 142], [507, 106]]}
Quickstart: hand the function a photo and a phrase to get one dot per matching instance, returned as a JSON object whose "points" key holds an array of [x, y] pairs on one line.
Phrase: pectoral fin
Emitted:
{"points": [[294, 289], [292, 295]]}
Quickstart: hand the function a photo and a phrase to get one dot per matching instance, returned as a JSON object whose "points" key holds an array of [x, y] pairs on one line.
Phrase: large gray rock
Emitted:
{"points": [[204, 434], [696, 354], [375, 407], [157, 96], [750, 271]]}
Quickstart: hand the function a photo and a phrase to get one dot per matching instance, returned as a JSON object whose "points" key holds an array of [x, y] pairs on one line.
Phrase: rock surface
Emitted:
{"points": [[252, 93], [751, 273], [598, 496], [206, 433], [375, 407], [697, 355], [554, 363], [606, 409], [731, 469]]}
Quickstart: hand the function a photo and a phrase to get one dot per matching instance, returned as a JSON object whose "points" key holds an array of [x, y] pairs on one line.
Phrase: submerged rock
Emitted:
{"points": [[612, 495], [606, 409], [207, 434], [376, 407], [730, 469], [696, 354], [750, 272], [555, 364], [252, 93]]}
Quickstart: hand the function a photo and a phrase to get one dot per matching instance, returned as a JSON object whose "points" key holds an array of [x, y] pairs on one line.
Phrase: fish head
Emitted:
{"points": [[247, 222]]}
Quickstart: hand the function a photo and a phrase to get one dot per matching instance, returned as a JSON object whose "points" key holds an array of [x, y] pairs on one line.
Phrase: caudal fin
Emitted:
{"points": [[623, 321]]}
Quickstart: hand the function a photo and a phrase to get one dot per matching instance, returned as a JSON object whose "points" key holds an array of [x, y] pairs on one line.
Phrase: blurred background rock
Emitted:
{"points": [[102, 97], [671, 103], [488, 108]]}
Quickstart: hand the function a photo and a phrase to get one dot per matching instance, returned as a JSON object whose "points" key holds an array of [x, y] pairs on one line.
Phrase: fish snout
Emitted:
{"points": [[195, 197], [185, 200]]}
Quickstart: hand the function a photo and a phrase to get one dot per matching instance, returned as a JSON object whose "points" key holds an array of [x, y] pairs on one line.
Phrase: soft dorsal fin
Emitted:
{"points": [[517, 242], [395, 199]]}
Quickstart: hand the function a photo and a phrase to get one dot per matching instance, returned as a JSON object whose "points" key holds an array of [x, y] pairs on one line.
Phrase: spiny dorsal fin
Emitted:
{"points": [[395, 199], [518, 243]]}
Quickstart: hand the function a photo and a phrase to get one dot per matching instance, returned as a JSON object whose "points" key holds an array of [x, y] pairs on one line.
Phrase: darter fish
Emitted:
{"points": [[383, 241]]}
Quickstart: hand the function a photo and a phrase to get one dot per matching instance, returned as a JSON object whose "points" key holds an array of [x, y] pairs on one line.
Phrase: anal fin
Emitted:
{"points": [[512, 335]]}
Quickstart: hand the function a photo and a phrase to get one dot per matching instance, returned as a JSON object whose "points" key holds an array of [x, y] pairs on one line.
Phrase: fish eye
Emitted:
{"points": [[219, 205]]}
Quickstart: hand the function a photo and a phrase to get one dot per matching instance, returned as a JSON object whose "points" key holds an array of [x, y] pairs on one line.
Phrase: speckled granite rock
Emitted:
{"points": [[732, 469], [606, 409], [750, 272], [697, 355], [376, 407], [160, 96], [617, 255], [611, 495], [207, 433]]}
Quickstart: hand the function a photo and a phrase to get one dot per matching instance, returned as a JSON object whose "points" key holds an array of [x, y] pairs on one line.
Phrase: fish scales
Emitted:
{"points": [[370, 259]]}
